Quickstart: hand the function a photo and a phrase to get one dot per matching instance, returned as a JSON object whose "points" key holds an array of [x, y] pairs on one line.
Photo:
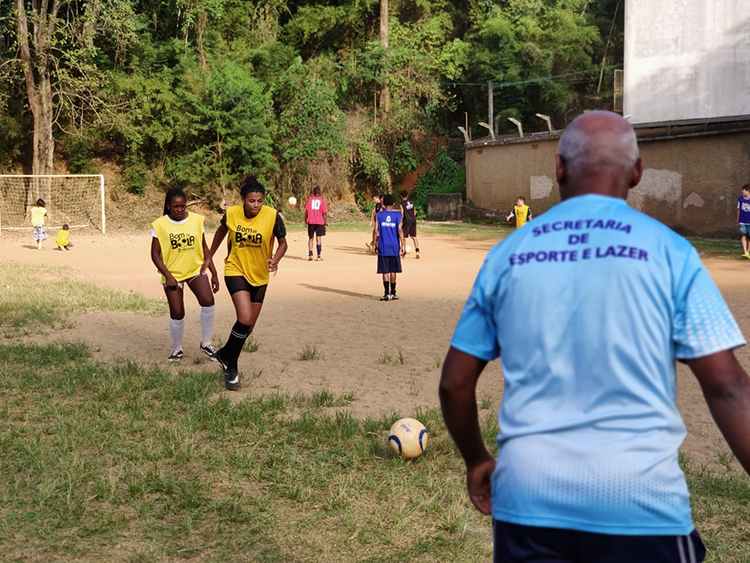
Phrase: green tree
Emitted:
{"points": [[225, 130]]}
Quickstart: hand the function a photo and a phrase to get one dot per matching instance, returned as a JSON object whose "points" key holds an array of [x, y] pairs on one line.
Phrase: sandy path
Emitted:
{"points": [[333, 305]]}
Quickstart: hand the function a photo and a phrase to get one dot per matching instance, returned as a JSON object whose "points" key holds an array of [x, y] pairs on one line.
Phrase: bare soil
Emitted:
{"points": [[334, 306]]}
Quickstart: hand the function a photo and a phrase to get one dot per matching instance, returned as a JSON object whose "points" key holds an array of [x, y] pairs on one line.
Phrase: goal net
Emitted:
{"points": [[75, 200]]}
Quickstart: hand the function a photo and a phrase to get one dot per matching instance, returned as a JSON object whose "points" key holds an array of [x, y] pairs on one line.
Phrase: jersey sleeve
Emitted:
{"points": [[153, 233], [703, 324], [476, 332], [279, 228]]}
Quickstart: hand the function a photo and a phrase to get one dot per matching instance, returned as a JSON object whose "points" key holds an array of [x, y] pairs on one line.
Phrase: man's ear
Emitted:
{"points": [[561, 170], [636, 173]]}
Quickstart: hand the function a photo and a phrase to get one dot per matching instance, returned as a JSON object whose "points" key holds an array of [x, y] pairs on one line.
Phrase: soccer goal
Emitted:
{"points": [[73, 199]]}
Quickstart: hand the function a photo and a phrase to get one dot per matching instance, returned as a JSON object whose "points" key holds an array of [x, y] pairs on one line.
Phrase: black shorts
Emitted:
{"points": [[410, 229], [514, 542], [239, 283], [319, 230], [389, 264]]}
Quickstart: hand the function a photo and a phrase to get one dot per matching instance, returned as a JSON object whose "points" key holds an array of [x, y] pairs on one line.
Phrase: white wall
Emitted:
{"points": [[686, 59]]}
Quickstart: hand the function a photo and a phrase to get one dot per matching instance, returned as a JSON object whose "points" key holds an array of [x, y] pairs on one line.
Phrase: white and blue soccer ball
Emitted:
{"points": [[408, 438]]}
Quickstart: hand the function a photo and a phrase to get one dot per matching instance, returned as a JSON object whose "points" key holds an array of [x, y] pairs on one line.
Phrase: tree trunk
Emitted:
{"points": [[200, 28], [36, 70], [385, 95]]}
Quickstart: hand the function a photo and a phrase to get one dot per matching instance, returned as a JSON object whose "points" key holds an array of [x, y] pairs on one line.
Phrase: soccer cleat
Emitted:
{"points": [[175, 356], [232, 379], [385, 297], [210, 351], [417, 255], [746, 255], [310, 258], [319, 258], [394, 297]]}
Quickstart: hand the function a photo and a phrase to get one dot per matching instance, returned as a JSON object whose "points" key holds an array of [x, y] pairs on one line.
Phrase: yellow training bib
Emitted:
{"points": [[62, 238], [37, 216], [181, 245], [521, 213], [250, 244]]}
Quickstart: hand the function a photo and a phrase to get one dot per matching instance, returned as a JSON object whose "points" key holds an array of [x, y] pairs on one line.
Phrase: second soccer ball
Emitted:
{"points": [[292, 201]]}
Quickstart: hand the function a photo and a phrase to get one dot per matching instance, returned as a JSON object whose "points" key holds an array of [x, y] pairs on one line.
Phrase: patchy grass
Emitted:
{"points": [[718, 248], [309, 352], [34, 296], [102, 461], [387, 359], [251, 345], [721, 509]]}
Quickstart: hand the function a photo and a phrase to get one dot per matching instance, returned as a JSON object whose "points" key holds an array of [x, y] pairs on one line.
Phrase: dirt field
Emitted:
{"points": [[333, 305]]}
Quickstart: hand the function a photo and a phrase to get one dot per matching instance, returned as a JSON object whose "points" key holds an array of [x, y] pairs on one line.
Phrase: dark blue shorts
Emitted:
{"points": [[528, 544], [389, 264]]}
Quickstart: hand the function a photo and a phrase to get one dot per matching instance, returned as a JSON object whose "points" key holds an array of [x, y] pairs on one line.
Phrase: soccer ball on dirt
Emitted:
{"points": [[408, 438], [292, 201], [407, 249]]}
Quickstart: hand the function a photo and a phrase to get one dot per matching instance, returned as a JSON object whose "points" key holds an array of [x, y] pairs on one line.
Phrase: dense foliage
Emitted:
{"points": [[199, 93]]}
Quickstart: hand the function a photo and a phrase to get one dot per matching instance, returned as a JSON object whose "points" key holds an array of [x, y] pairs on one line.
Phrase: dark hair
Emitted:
{"points": [[745, 187], [40, 203], [520, 197], [66, 227], [388, 199], [316, 191], [252, 185], [171, 194], [404, 193]]}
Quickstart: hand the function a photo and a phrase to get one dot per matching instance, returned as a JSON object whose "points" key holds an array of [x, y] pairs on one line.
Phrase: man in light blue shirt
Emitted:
{"points": [[589, 308]]}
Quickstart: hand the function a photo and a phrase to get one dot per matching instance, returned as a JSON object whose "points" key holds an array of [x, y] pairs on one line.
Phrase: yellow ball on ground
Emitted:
{"points": [[408, 438], [292, 201]]}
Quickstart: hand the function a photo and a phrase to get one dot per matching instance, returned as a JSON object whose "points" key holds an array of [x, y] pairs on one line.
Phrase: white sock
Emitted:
{"points": [[207, 324], [176, 330]]}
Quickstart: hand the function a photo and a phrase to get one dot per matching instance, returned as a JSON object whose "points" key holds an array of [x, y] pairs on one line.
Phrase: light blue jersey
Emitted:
{"points": [[589, 306]]}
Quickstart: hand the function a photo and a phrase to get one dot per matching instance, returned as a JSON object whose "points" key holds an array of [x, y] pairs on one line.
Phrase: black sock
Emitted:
{"points": [[417, 250], [231, 350], [385, 285], [319, 248], [310, 252], [393, 288]]}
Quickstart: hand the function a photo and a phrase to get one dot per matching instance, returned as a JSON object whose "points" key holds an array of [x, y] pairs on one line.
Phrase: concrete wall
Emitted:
{"points": [[690, 183], [686, 59], [444, 207]]}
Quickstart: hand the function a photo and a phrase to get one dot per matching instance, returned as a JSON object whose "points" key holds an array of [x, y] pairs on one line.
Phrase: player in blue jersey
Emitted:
{"points": [[743, 219], [587, 467], [388, 238]]}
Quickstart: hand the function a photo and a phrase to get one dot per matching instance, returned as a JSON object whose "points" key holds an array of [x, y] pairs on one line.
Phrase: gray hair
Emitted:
{"points": [[580, 147]]}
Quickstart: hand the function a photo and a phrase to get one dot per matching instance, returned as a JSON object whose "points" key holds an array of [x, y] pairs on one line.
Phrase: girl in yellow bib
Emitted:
{"points": [[38, 221], [178, 248], [253, 229]]}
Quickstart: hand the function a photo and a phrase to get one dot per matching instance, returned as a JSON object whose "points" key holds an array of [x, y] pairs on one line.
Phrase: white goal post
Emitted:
{"points": [[73, 199]]}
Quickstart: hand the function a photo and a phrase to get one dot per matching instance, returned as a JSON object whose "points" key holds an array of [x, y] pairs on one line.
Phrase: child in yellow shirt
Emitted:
{"points": [[61, 240], [38, 221]]}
